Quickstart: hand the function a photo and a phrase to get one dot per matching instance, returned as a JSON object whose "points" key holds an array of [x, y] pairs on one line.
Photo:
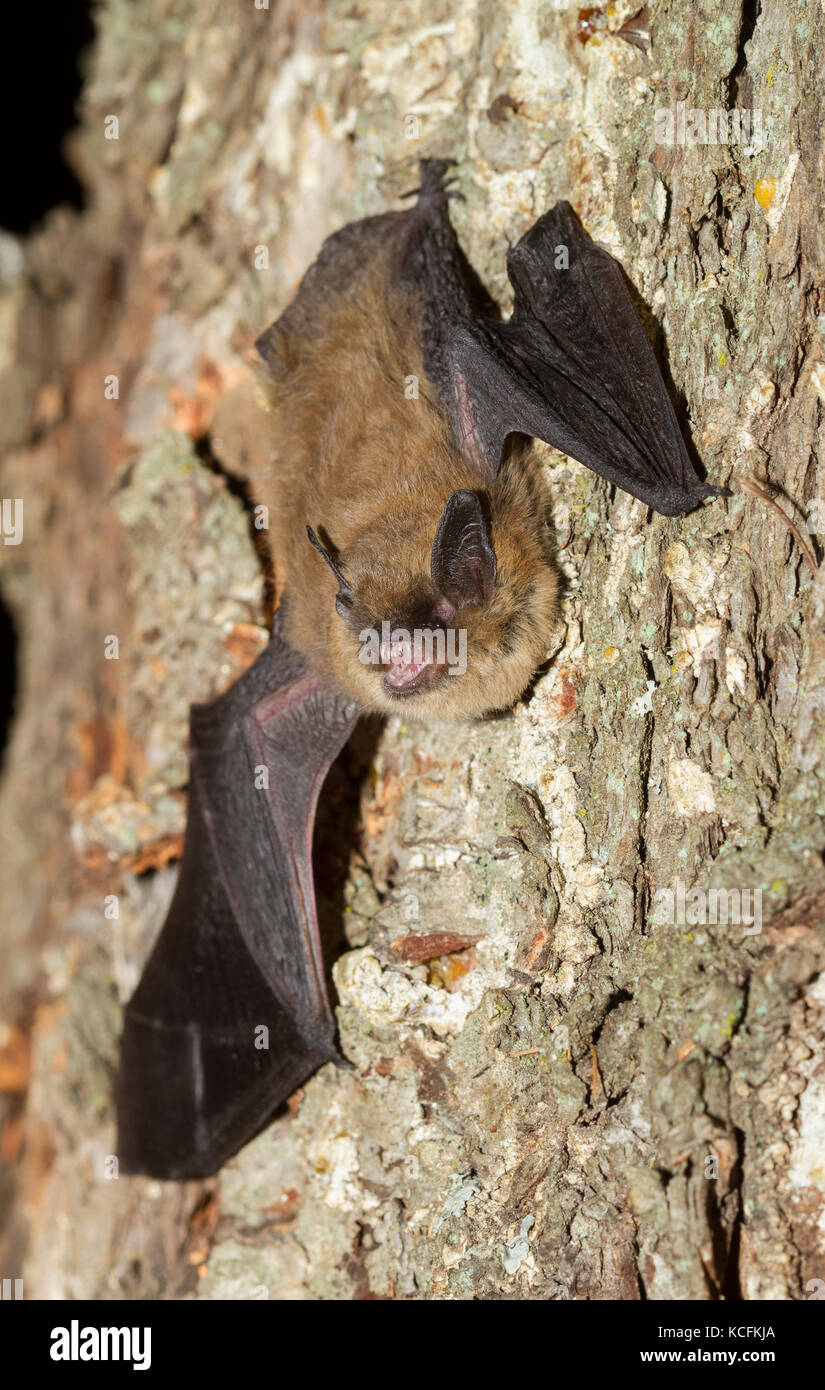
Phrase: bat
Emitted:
{"points": [[401, 473]]}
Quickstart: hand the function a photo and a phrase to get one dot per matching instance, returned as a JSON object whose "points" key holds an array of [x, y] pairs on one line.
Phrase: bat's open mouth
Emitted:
{"points": [[410, 667]]}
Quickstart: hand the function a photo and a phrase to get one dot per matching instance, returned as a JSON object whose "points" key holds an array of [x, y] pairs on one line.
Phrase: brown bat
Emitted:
{"points": [[399, 474]]}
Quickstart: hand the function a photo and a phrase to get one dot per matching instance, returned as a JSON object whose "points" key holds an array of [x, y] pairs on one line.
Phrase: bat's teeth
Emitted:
{"points": [[405, 664]]}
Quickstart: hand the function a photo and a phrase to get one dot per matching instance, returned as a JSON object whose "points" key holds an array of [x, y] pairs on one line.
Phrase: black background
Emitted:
{"points": [[44, 49]]}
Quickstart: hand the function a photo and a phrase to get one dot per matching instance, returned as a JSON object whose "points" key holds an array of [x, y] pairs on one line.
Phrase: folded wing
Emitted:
{"points": [[231, 1013], [572, 366]]}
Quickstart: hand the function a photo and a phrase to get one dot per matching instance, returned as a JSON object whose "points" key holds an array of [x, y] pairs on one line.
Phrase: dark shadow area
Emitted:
{"points": [[8, 676], [37, 102], [239, 488], [739, 82], [337, 834]]}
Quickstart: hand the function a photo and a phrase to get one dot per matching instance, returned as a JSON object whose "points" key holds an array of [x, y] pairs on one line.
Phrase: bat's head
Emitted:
{"points": [[445, 616]]}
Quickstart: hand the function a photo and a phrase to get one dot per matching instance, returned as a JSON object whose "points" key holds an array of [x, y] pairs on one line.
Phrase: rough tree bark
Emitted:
{"points": [[588, 1100]]}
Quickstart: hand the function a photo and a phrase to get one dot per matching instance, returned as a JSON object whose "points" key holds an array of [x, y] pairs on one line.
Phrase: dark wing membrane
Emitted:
{"points": [[231, 1013], [573, 366]]}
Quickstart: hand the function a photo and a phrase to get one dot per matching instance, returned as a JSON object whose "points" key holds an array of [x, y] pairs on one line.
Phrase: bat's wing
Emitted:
{"points": [[231, 1013], [572, 366]]}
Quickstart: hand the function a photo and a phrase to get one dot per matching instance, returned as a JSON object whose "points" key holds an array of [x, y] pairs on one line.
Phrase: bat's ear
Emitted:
{"points": [[463, 563], [271, 347]]}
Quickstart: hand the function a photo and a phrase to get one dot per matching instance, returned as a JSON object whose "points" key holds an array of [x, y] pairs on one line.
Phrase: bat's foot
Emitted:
{"points": [[434, 178], [434, 182]]}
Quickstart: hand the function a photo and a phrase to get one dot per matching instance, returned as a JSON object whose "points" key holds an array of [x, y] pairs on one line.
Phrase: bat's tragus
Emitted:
{"points": [[344, 600]]}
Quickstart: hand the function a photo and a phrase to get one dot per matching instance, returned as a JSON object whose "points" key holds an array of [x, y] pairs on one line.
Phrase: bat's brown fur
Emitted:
{"points": [[371, 472]]}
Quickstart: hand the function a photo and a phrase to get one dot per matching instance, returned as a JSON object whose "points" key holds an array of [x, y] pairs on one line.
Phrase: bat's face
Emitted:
{"points": [[454, 623]]}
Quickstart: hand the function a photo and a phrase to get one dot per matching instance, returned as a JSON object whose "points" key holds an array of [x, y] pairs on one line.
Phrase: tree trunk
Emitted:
{"points": [[617, 1089]]}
